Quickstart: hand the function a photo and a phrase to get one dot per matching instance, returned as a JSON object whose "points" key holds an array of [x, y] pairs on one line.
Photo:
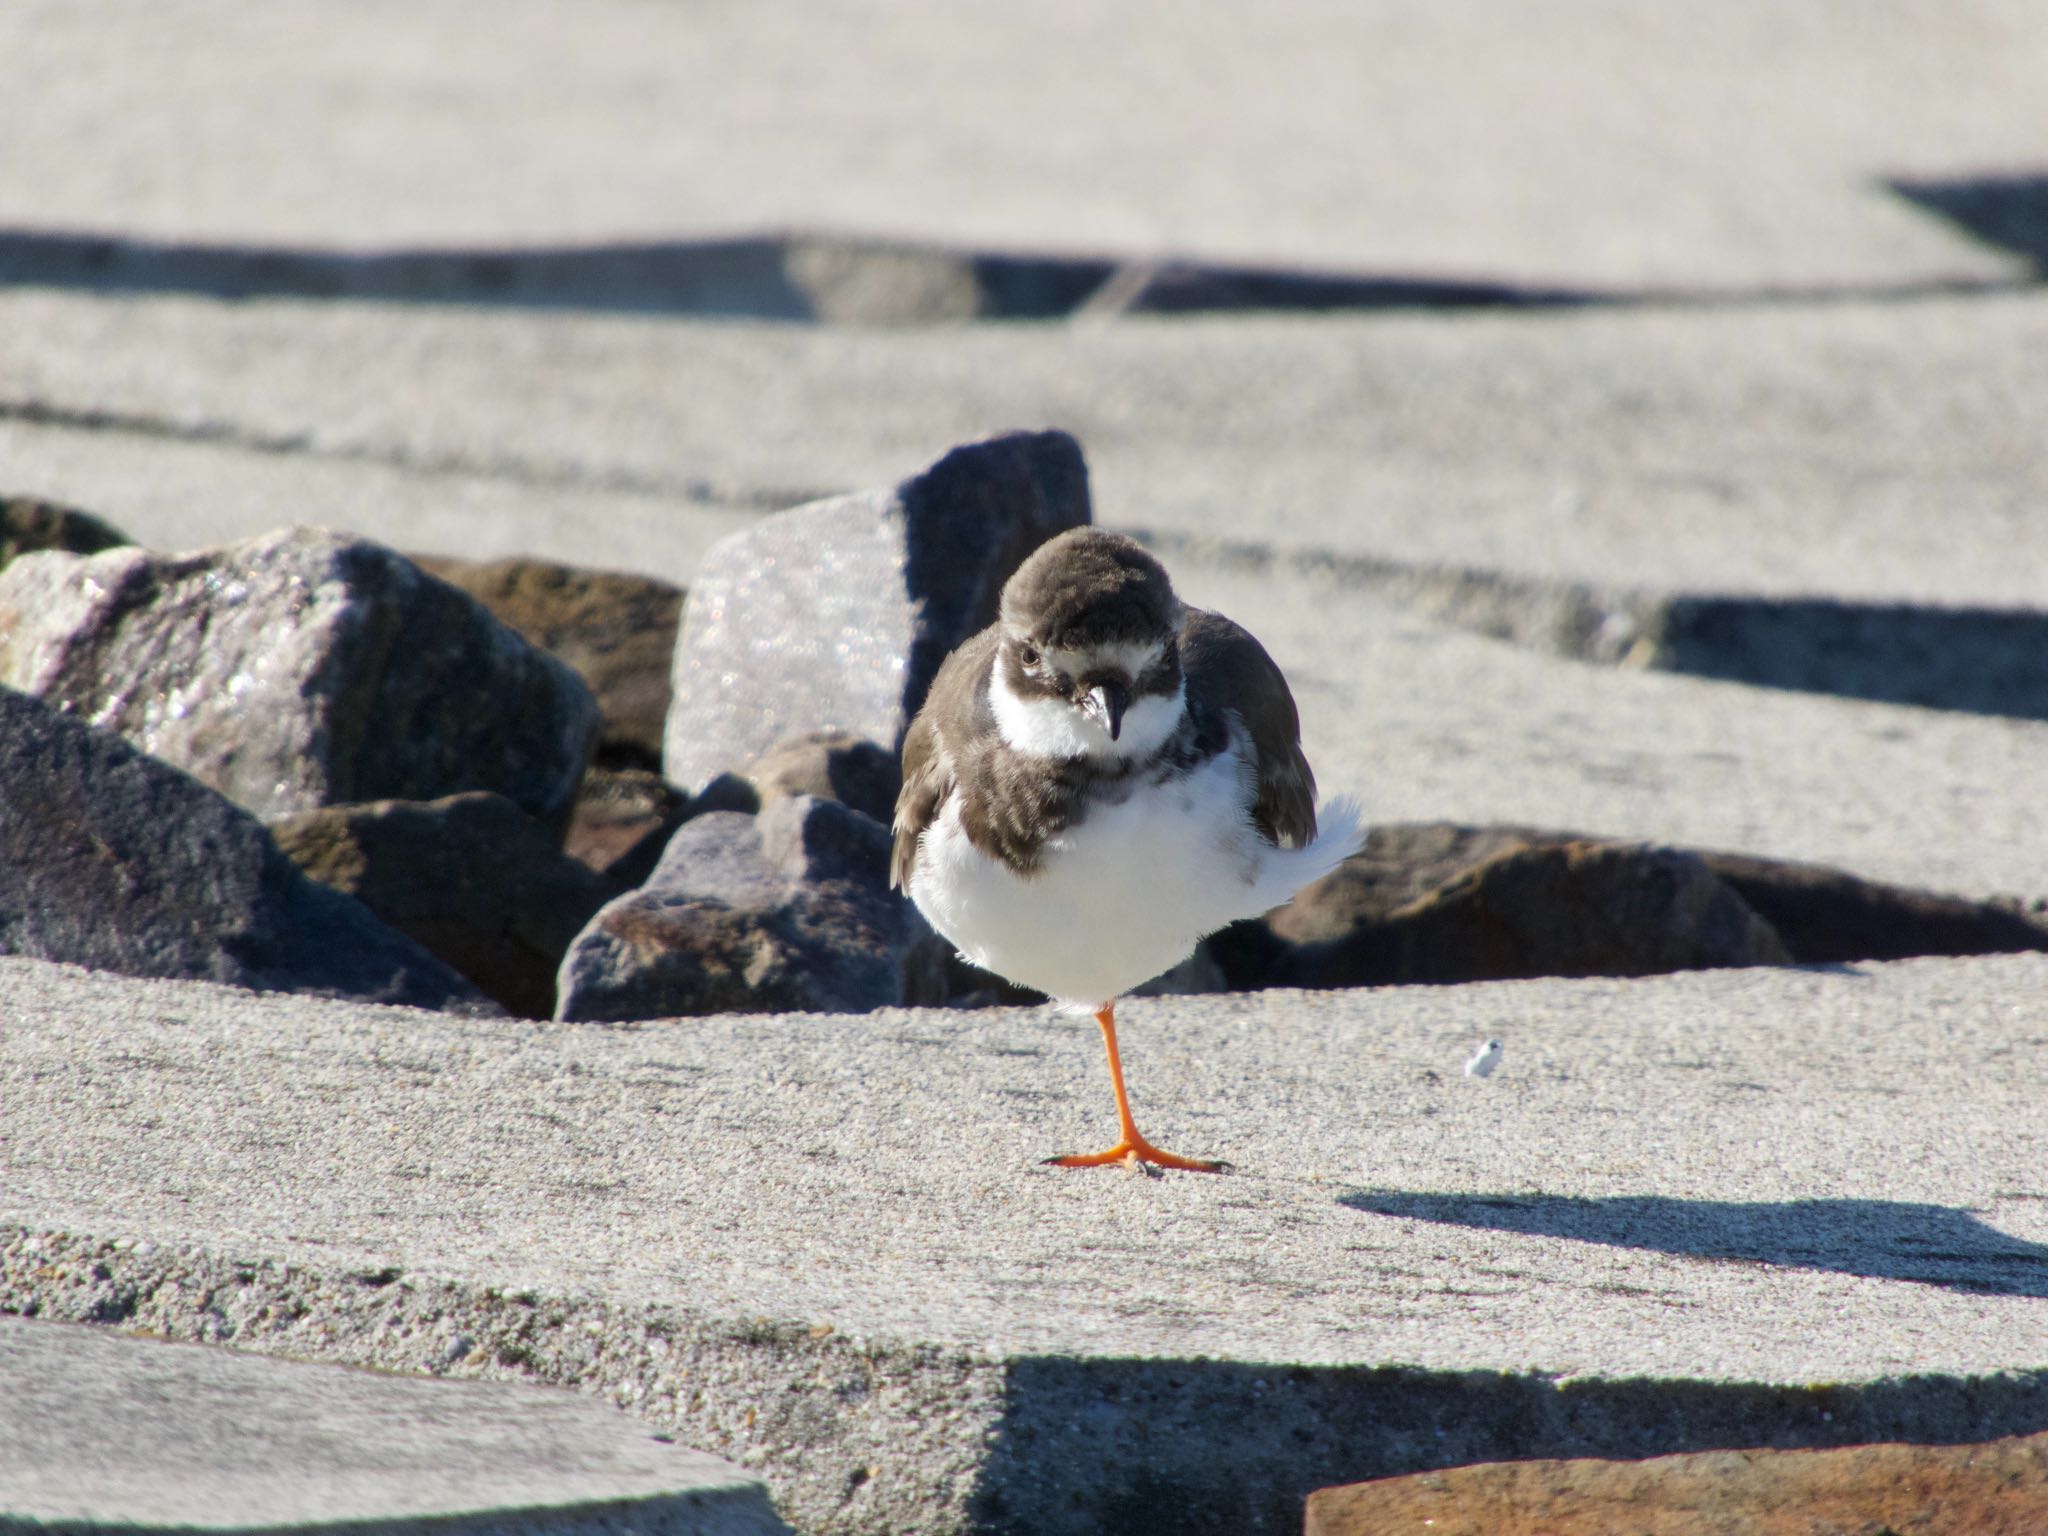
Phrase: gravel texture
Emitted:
{"points": [[1725, 1208]]}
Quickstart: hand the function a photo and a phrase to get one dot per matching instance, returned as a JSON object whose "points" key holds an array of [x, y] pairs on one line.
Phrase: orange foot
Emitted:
{"points": [[1135, 1149]]}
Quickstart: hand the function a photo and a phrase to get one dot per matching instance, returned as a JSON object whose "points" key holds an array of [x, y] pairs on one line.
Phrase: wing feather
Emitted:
{"points": [[1229, 673], [931, 748]]}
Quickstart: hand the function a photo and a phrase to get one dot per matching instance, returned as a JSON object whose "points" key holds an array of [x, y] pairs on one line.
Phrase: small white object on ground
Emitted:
{"points": [[1484, 1060]]}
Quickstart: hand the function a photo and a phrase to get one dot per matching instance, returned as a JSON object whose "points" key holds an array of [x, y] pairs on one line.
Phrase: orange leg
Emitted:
{"points": [[1133, 1145]]}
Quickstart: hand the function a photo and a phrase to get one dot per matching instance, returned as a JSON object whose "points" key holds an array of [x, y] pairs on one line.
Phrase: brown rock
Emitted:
{"points": [[28, 524], [1413, 906], [622, 820], [1568, 909], [617, 631], [1397, 865], [1997, 1488], [1827, 917], [470, 878]]}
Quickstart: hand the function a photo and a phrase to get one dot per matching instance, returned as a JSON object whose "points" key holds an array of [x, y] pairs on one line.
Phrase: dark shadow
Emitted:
{"points": [[1983, 660], [1206, 1448], [1988, 661], [2007, 211], [1882, 1239], [1180, 288], [725, 277], [792, 277]]}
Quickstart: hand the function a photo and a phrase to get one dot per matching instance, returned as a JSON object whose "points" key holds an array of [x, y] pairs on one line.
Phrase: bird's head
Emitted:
{"points": [[1089, 662]]}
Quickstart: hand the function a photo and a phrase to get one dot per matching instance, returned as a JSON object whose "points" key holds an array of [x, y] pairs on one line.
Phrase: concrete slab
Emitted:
{"points": [[101, 1432], [1422, 722], [1874, 452], [1717, 1209], [1425, 723], [1599, 143], [180, 492]]}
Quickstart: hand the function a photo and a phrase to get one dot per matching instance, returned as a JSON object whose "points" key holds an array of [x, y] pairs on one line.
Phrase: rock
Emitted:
{"points": [[833, 765], [1828, 917], [1195, 976], [28, 525], [788, 910], [1404, 909], [727, 792], [470, 878], [1995, 1488], [297, 670], [617, 631], [113, 860], [1580, 908], [836, 615], [1397, 865], [623, 818], [1586, 909]]}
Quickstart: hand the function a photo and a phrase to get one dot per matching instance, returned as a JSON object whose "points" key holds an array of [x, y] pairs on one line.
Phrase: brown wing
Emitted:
{"points": [[931, 745], [1228, 672]]}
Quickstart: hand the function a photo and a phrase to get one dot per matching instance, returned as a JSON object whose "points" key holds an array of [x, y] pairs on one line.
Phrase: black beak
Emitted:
{"points": [[1107, 701]]}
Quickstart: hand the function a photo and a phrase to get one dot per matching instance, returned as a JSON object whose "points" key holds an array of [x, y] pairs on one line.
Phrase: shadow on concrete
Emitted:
{"points": [[1991, 661], [780, 277], [1881, 1239], [2009, 211], [1203, 1448], [1985, 660]]}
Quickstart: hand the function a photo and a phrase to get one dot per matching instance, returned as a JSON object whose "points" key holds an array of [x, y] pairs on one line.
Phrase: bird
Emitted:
{"points": [[1484, 1060], [1097, 780]]}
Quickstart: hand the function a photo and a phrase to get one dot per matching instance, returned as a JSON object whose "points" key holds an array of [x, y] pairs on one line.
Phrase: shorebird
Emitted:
{"points": [[1097, 780]]}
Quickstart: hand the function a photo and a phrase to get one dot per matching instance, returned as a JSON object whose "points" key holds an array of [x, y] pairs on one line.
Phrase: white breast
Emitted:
{"points": [[1125, 894]]}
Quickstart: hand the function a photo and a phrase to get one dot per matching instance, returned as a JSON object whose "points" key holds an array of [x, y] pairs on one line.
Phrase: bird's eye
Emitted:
{"points": [[1028, 654]]}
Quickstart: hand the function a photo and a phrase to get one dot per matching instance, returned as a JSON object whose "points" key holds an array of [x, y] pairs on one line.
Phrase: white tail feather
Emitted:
{"points": [[1340, 832]]}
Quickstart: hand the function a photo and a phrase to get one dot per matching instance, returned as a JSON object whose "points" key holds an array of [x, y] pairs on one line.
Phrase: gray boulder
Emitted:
{"points": [[836, 615], [833, 765], [789, 910], [296, 670], [113, 860]]}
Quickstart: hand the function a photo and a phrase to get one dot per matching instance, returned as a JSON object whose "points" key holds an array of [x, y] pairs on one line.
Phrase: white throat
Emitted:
{"points": [[1046, 727]]}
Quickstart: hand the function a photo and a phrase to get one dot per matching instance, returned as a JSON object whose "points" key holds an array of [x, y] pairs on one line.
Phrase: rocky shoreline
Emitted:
{"points": [[459, 758]]}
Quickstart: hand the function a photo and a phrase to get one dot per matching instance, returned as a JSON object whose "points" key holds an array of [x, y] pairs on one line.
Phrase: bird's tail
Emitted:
{"points": [[1340, 832]]}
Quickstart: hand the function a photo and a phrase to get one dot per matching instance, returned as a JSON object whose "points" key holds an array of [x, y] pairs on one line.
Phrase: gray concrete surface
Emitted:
{"points": [[1720, 1209], [1877, 452], [1422, 723], [181, 492], [103, 1432], [1596, 143], [1732, 1208], [100, 1432]]}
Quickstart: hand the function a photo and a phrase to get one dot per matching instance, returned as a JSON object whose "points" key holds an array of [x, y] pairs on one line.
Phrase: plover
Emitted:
{"points": [[1097, 780]]}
